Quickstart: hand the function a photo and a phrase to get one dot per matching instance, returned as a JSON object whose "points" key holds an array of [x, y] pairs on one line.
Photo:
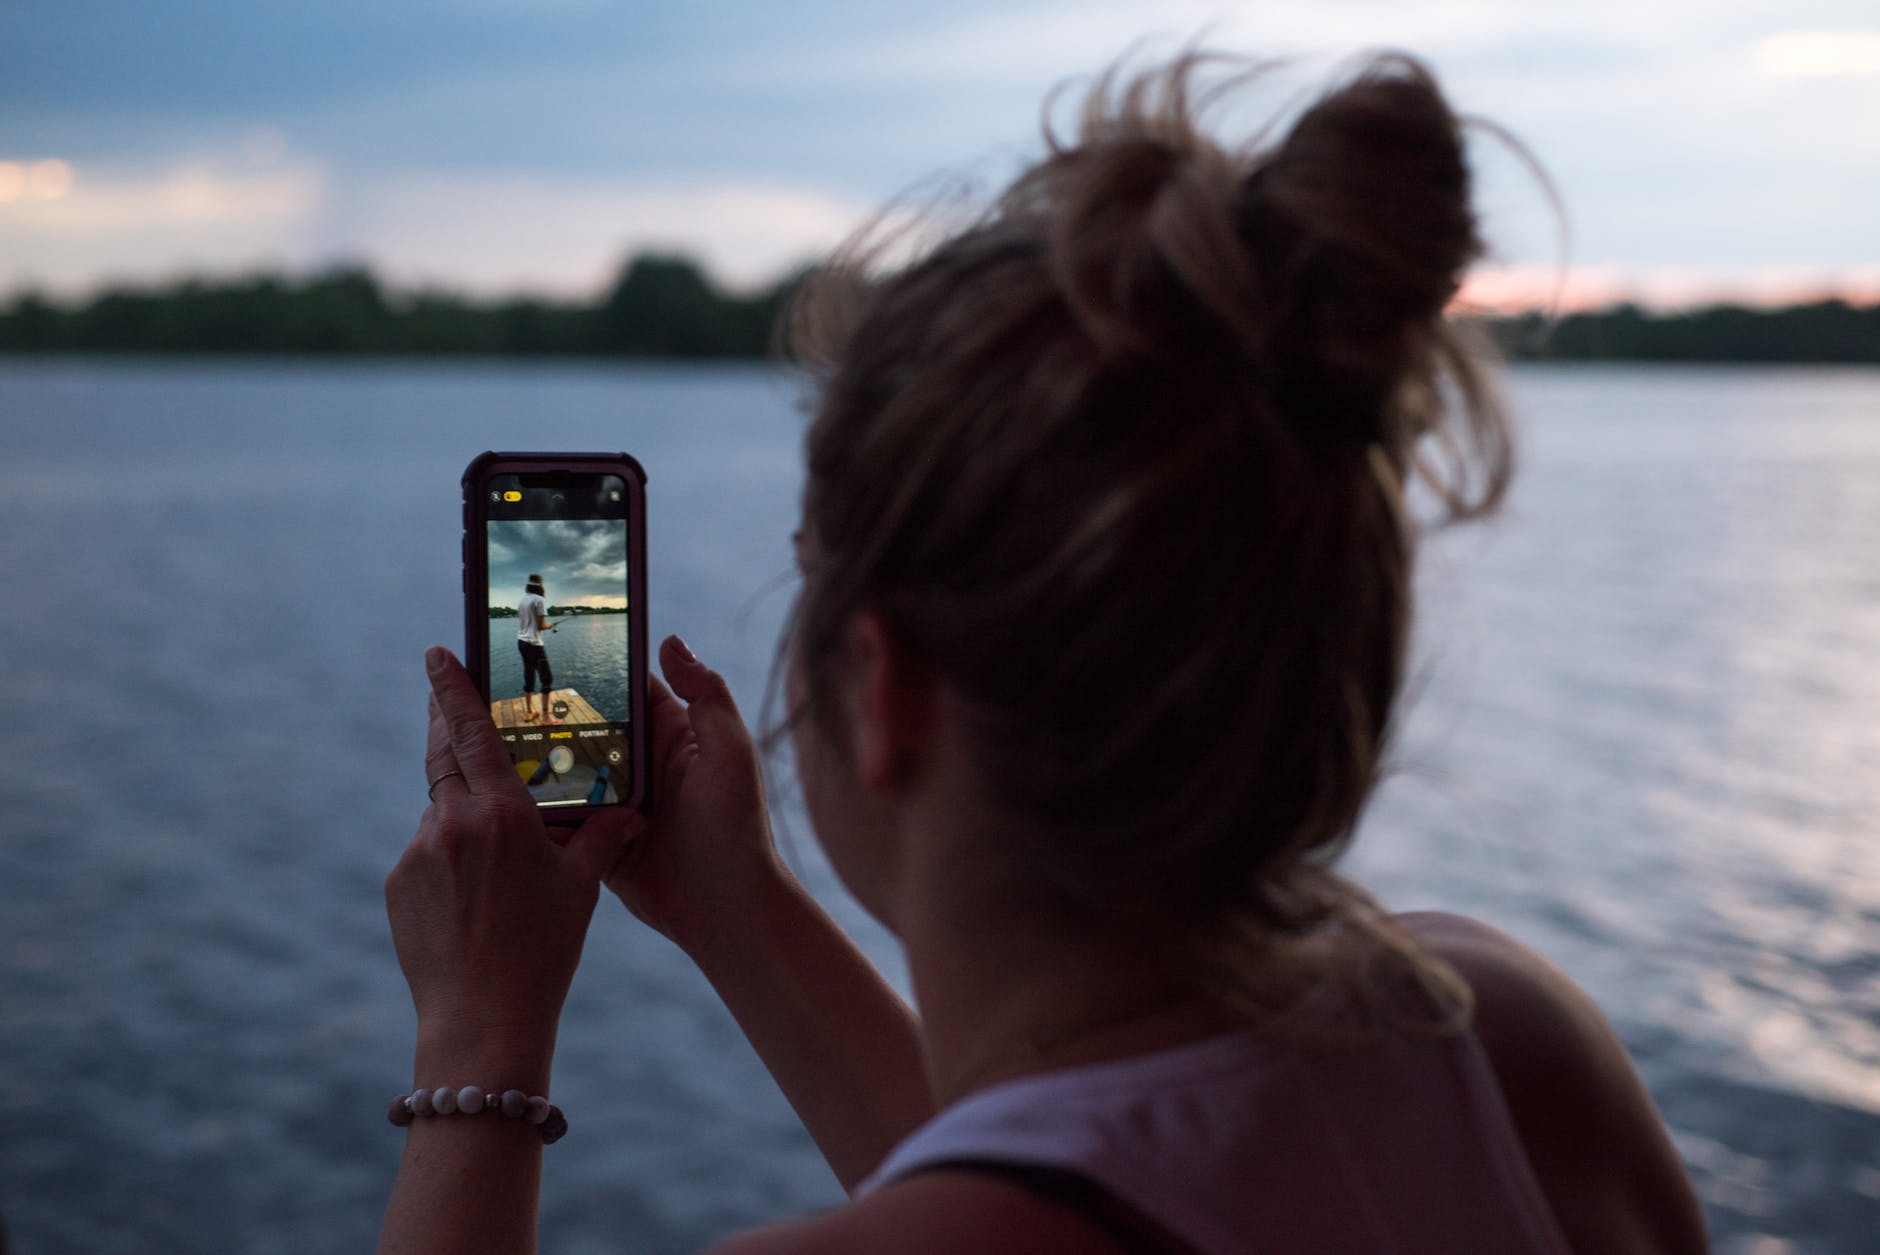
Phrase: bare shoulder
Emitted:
{"points": [[934, 1213], [1596, 1143]]}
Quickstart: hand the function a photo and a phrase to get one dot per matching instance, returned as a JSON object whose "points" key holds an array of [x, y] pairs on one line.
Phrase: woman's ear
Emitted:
{"points": [[890, 700]]}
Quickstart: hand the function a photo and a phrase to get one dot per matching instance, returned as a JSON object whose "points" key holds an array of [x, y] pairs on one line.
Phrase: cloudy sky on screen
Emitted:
{"points": [[581, 561], [1701, 147]]}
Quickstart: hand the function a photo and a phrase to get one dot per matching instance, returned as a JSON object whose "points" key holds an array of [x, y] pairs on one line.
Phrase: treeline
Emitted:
{"points": [[661, 306], [666, 306], [559, 612], [1825, 331]]}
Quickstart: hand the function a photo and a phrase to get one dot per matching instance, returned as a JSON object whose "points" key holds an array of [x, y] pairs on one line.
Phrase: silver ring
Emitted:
{"points": [[432, 793]]}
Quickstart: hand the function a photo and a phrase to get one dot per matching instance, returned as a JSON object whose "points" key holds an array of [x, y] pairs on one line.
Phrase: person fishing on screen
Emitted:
{"points": [[531, 621]]}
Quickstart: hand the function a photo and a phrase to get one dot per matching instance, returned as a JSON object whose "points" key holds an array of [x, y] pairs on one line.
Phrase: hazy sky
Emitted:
{"points": [[1701, 146]]}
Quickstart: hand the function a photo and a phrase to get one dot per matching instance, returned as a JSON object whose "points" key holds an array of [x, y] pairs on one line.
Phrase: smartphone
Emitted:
{"points": [[554, 578]]}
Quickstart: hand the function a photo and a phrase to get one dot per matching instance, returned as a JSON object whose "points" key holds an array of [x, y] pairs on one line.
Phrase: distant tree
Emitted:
{"points": [[664, 306], [34, 325]]}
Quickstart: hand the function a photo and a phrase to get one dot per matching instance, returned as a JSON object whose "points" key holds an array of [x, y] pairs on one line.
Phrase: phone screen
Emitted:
{"points": [[556, 547]]}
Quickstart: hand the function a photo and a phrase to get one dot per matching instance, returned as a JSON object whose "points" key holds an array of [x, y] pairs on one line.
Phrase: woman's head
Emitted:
{"points": [[1124, 464]]}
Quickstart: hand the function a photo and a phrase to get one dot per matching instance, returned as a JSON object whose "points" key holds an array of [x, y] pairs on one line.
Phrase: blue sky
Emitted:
{"points": [[1702, 147]]}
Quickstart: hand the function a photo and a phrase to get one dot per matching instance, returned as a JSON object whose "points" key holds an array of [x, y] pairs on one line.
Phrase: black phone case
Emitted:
{"points": [[476, 619]]}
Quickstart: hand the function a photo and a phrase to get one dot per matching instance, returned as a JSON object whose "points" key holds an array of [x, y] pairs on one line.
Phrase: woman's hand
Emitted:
{"points": [[706, 856], [488, 910]]}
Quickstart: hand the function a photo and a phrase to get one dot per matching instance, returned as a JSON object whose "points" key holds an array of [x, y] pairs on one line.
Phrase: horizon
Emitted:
{"points": [[1702, 153], [1491, 291]]}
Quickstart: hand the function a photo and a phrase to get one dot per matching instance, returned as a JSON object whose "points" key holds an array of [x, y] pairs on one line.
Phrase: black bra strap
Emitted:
{"points": [[1068, 1188]]}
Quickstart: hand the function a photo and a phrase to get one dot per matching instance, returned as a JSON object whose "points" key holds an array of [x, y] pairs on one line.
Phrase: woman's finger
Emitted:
{"points": [[474, 741], [675, 743], [440, 765], [667, 715], [704, 691], [444, 779], [711, 711]]}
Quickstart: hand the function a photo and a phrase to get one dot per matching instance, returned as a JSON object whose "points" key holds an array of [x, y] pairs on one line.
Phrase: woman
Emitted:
{"points": [[1106, 551]]}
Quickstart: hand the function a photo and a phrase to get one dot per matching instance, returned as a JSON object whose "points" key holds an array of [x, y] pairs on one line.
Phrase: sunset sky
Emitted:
{"points": [[1702, 148]]}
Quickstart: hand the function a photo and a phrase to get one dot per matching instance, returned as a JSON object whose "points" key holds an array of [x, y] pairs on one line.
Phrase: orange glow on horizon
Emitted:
{"points": [[1523, 289], [46, 179], [50, 179]]}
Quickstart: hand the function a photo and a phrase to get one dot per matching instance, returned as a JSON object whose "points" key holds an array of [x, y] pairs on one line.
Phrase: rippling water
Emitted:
{"points": [[585, 654], [1645, 740]]}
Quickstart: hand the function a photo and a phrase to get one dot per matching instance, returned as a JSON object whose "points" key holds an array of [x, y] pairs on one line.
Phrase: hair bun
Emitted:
{"points": [[1316, 255], [1363, 210]]}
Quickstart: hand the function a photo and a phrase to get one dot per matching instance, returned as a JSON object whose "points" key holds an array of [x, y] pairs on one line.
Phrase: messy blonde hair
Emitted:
{"points": [[1125, 461]]}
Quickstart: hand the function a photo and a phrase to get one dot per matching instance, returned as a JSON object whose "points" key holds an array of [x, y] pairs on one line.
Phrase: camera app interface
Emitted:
{"points": [[557, 550]]}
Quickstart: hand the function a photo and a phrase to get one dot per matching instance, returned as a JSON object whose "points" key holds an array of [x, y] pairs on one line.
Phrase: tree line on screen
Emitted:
{"points": [[558, 612], [665, 306]]}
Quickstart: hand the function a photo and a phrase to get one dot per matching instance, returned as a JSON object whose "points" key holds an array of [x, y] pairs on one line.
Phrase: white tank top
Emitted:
{"points": [[1236, 1146], [530, 612]]}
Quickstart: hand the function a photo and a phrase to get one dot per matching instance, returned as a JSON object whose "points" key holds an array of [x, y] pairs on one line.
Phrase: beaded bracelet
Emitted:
{"points": [[471, 1099]]}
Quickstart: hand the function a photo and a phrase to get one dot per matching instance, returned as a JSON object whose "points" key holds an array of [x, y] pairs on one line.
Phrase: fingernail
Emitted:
{"points": [[685, 649], [434, 659]]}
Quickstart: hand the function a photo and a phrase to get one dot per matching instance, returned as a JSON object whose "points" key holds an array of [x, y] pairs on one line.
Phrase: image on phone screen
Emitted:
{"points": [[557, 549]]}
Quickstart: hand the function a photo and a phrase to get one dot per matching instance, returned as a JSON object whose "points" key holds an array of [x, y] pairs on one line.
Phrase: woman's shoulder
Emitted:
{"points": [[934, 1213], [1595, 1141], [1514, 988], [1549, 1043]]}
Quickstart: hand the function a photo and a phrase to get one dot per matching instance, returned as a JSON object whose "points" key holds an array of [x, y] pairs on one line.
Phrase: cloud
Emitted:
{"points": [[1818, 53], [579, 559], [529, 145], [199, 212], [486, 232], [496, 232], [1042, 43], [187, 199], [1653, 122]]}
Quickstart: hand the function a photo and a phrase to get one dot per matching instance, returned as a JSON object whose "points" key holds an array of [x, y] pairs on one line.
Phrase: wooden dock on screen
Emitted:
{"points": [[511, 713]]}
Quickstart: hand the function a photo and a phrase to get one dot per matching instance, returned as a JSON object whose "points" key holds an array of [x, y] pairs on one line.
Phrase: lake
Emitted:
{"points": [[1644, 737]]}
